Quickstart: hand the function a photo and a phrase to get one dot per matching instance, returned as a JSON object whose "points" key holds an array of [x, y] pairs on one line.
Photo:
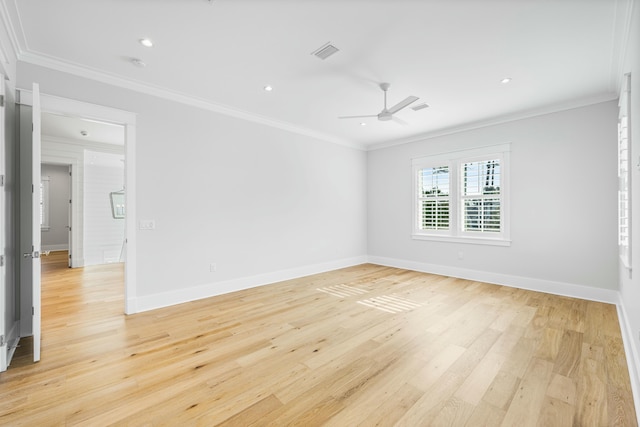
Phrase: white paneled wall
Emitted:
{"points": [[71, 152], [103, 234]]}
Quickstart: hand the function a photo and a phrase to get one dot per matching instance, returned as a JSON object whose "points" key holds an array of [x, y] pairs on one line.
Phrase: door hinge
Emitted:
{"points": [[33, 311], [2, 340], [69, 200], [1, 260], [1, 180], [1, 100]]}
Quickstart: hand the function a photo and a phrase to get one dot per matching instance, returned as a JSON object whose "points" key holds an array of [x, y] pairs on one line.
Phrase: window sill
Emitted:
{"points": [[458, 239]]}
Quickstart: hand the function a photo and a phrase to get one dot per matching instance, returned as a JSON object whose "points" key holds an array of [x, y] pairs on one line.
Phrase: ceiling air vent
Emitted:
{"points": [[325, 51]]}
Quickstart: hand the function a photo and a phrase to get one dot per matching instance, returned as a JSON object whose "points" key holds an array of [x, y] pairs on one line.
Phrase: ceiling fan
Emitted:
{"points": [[387, 113]]}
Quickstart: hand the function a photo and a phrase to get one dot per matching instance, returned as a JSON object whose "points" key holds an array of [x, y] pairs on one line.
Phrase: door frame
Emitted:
{"points": [[68, 107]]}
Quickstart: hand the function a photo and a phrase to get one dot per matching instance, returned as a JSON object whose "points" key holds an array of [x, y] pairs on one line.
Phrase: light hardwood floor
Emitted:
{"points": [[366, 345]]}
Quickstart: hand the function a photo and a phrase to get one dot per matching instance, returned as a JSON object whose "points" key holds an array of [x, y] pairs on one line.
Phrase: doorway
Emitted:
{"points": [[91, 114], [95, 153], [55, 209]]}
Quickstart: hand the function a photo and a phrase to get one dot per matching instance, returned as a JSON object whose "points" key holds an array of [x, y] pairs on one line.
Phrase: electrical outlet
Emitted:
{"points": [[147, 224], [213, 267]]}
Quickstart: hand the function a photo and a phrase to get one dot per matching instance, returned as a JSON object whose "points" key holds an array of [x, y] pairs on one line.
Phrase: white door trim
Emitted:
{"points": [[4, 354], [69, 107]]}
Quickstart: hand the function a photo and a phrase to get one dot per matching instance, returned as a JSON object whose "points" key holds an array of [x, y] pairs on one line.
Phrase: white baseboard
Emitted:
{"points": [[557, 288], [10, 344], [53, 248], [632, 353], [165, 299]]}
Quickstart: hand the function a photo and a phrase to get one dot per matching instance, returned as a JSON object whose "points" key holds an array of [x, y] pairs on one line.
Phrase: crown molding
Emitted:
{"points": [[555, 108], [621, 35], [9, 47], [183, 98]]}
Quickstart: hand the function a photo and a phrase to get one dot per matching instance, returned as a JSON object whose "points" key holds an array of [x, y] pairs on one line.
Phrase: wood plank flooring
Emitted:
{"points": [[361, 346]]}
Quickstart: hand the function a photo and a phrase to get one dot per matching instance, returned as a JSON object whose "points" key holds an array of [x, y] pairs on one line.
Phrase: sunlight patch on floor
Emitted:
{"points": [[342, 291], [390, 303]]}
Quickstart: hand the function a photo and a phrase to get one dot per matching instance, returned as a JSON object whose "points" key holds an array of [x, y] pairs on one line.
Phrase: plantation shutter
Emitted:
{"points": [[481, 199], [433, 198]]}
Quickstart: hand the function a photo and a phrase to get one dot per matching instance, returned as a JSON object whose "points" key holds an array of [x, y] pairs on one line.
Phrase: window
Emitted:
{"points": [[480, 196], [433, 196], [461, 196], [44, 203]]}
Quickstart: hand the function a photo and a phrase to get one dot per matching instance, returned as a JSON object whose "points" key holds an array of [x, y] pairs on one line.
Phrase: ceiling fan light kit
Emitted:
{"points": [[387, 113]]}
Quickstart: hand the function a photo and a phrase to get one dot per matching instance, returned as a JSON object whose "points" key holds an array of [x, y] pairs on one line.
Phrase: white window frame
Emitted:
{"points": [[44, 203], [455, 161], [624, 174]]}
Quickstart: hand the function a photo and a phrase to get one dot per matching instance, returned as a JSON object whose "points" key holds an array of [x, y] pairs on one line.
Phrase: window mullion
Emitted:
{"points": [[454, 221]]}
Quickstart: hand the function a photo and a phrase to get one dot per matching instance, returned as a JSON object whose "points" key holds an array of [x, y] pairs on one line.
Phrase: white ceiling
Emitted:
{"points": [[75, 128], [452, 54]]}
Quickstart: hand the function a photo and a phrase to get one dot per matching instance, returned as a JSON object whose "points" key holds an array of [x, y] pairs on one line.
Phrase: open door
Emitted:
{"points": [[35, 221], [30, 188]]}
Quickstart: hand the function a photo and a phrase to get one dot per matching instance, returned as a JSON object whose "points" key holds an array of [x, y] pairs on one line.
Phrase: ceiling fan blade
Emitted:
{"points": [[402, 104], [357, 117]]}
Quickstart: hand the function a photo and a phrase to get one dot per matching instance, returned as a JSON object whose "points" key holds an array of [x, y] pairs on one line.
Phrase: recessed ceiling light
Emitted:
{"points": [[146, 42], [363, 124], [138, 62], [268, 88], [505, 80], [84, 133]]}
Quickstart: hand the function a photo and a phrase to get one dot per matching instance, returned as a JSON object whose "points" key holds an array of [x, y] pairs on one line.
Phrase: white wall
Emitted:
{"points": [[261, 203], [630, 280], [103, 234], [563, 205], [57, 236]]}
